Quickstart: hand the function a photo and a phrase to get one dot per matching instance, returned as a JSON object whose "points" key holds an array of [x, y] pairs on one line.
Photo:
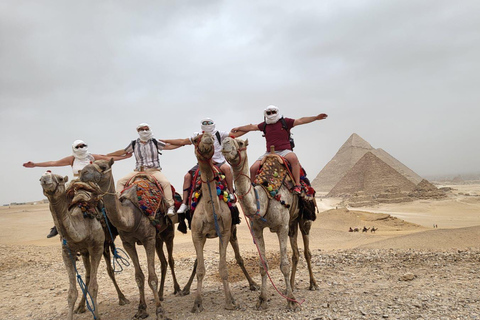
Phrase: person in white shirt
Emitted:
{"points": [[78, 160]]}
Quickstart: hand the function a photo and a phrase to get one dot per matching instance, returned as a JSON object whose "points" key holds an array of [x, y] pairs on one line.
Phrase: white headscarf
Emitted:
{"points": [[208, 127], [144, 135], [272, 118], [79, 153]]}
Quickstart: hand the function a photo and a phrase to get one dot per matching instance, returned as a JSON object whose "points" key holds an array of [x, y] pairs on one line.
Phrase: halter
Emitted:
{"points": [[205, 160]]}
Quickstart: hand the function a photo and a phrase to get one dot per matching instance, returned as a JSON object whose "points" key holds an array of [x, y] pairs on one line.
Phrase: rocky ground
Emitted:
{"points": [[352, 284]]}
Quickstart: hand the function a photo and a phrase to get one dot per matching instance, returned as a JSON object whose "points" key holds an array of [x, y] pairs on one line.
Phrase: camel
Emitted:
{"points": [[133, 226], [78, 234], [365, 229], [373, 229], [212, 219], [270, 214]]}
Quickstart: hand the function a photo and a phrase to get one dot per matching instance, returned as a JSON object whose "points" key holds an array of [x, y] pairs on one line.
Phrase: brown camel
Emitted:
{"points": [[272, 214], [133, 226], [212, 219], [78, 235]]}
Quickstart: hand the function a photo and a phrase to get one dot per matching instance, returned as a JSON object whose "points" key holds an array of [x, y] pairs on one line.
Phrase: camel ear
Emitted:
{"points": [[65, 179], [246, 143], [111, 162]]}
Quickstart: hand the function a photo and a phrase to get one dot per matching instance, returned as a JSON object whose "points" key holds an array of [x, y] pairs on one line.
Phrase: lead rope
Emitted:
{"points": [[264, 264], [215, 218], [88, 299], [117, 259]]}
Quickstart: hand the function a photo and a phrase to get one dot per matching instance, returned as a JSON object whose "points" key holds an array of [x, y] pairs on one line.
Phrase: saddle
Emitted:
{"points": [[221, 191], [275, 172], [151, 199]]}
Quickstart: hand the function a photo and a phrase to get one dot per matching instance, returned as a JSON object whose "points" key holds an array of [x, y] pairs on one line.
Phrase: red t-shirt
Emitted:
{"points": [[276, 136]]}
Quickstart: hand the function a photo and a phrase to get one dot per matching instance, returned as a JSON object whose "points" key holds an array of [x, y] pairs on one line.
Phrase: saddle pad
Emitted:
{"points": [[221, 189], [149, 196], [272, 174]]}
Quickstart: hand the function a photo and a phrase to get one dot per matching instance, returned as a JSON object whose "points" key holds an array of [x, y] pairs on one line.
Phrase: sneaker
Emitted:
{"points": [[53, 232], [182, 208], [297, 189], [171, 211], [233, 198]]}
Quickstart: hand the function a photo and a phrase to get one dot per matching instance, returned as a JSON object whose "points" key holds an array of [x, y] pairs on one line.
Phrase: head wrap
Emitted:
{"points": [[272, 118], [144, 135], [208, 127], [79, 153]]}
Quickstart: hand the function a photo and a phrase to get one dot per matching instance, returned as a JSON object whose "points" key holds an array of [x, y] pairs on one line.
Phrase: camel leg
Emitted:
{"points": [[186, 289], [86, 262], [199, 243], [223, 270], [234, 243], [285, 268], [163, 266], [262, 299], [122, 300], [152, 276], [139, 279], [305, 230], [95, 258], [72, 289], [293, 234], [171, 262]]}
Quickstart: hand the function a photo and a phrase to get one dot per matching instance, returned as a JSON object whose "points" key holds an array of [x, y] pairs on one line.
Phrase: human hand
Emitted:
{"points": [[29, 164], [322, 116]]}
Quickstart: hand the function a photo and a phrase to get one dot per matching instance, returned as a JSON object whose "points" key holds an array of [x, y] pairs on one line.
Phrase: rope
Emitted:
{"points": [[264, 264], [117, 259], [82, 284], [215, 218]]}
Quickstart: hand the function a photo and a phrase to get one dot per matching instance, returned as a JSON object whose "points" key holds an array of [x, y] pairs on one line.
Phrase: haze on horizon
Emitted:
{"points": [[401, 74]]}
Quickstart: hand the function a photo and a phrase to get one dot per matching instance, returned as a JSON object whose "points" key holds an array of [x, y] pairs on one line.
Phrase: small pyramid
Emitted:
{"points": [[426, 190], [372, 176], [347, 156]]}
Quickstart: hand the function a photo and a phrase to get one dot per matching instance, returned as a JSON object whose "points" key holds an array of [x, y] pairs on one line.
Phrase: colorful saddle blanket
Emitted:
{"points": [[221, 190], [84, 195], [151, 199]]}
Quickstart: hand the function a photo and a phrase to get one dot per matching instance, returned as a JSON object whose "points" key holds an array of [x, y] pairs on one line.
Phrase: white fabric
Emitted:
{"points": [[218, 155], [80, 163], [208, 127], [80, 153], [143, 124], [145, 135], [273, 118]]}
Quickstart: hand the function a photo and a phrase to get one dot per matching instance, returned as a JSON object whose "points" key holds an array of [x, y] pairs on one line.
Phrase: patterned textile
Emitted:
{"points": [[84, 196], [149, 196], [221, 189]]}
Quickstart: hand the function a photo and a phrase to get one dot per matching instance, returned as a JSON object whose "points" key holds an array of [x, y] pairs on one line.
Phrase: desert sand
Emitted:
{"points": [[407, 269]]}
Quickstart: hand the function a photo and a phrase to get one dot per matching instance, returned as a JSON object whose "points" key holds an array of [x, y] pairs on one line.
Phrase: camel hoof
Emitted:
{"points": [[313, 287], [161, 314], [293, 306], [123, 301], [231, 306], [254, 287], [197, 307], [261, 304], [184, 292], [80, 309], [141, 314]]}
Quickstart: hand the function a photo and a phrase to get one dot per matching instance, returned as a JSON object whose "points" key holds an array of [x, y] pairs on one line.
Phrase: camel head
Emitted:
{"points": [[52, 184], [204, 147], [100, 171], [234, 151]]}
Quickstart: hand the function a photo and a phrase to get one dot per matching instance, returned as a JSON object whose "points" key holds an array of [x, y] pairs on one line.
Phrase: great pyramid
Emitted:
{"points": [[371, 175], [348, 155]]}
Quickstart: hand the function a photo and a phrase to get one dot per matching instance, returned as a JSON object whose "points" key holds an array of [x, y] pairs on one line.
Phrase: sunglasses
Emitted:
{"points": [[143, 129], [81, 146], [206, 123], [271, 112]]}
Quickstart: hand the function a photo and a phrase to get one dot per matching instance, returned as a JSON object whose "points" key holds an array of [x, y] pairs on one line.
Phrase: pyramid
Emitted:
{"points": [[348, 155], [426, 190], [371, 175]]}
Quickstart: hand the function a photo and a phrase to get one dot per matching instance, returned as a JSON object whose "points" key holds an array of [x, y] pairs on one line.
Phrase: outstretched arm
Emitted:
{"points": [[305, 120], [107, 157], [117, 153], [67, 161], [240, 131], [177, 142]]}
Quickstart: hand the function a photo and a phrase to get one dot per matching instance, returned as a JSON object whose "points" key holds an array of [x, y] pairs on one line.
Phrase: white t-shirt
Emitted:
{"points": [[79, 164]]}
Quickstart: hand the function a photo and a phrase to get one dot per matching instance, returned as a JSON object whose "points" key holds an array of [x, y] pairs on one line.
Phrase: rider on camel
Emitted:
{"points": [[276, 130]]}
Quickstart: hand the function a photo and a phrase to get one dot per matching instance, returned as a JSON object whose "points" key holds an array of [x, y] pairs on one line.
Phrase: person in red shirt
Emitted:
{"points": [[276, 130]]}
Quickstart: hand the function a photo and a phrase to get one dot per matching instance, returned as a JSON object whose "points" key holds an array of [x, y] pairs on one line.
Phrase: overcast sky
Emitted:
{"points": [[404, 75]]}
